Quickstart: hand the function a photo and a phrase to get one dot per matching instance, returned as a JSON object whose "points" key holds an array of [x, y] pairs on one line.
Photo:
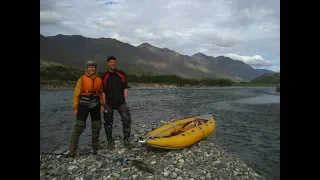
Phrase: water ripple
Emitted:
{"points": [[248, 119]]}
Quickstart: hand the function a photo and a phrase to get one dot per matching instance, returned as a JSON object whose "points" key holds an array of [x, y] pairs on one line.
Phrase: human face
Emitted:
{"points": [[91, 70], [112, 64]]}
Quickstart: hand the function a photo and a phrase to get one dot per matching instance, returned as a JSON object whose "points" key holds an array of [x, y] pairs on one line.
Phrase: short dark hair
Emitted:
{"points": [[111, 58]]}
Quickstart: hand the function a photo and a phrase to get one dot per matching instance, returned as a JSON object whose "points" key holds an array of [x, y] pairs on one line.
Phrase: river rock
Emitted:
{"points": [[205, 160]]}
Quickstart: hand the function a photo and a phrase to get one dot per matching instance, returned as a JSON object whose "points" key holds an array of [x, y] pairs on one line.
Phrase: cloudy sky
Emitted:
{"points": [[246, 30]]}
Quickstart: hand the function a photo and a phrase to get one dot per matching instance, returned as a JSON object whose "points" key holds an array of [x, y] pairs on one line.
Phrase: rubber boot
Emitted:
{"points": [[108, 131], [126, 124], [126, 142], [95, 145], [73, 145], [110, 144]]}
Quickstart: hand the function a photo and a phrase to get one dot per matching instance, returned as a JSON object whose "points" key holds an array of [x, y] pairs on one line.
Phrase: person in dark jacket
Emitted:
{"points": [[115, 93]]}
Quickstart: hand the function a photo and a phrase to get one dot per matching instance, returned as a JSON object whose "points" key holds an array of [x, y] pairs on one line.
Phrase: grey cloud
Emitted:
{"points": [[248, 12], [225, 43], [64, 27], [215, 27], [49, 17], [257, 61], [49, 11], [46, 5], [273, 66], [51, 5]]}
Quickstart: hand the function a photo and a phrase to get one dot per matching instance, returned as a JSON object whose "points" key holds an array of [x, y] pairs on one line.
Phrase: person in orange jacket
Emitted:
{"points": [[87, 99]]}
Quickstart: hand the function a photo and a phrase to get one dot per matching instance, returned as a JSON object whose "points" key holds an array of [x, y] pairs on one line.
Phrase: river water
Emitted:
{"points": [[247, 119]]}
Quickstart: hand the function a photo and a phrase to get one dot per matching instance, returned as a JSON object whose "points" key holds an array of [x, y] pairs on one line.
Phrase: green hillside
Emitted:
{"points": [[272, 78], [53, 74], [54, 71]]}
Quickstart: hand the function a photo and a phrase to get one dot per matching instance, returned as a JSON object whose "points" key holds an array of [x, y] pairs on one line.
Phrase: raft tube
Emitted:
{"points": [[181, 133]]}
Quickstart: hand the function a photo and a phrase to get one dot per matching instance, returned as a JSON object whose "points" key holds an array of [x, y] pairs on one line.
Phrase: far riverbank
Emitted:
{"points": [[62, 85]]}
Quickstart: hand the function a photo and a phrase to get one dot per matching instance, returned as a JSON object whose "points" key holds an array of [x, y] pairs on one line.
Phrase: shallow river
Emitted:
{"points": [[248, 119]]}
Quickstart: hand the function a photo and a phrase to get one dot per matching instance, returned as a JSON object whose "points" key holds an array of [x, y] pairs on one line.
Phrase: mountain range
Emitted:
{"points": [[264, 71], [75, 50]]}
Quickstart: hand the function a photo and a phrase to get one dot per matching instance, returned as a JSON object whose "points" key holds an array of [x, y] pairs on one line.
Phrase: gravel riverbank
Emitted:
{"points": [[204, 160]]}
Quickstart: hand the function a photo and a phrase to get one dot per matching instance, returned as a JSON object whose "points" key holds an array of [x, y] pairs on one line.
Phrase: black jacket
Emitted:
{"points": [[114, 84]]}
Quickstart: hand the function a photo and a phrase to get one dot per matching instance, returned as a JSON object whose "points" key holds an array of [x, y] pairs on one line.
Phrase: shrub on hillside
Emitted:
{"points": [[54, 71]]}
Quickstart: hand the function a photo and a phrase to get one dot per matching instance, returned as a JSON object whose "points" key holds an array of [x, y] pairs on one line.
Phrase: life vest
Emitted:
{"points": [[105, 79], [91, 86]]}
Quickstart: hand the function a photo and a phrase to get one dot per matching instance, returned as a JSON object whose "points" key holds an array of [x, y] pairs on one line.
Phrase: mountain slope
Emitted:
{"points": [[269, 78], [51, 51], [264, 71], [55, 71], [225, 66], [130, 58], [217, 67], [144, 58]]}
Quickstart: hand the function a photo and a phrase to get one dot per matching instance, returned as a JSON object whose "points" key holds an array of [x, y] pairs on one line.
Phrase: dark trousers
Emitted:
{"points": [[83, 113], [125, 118]]}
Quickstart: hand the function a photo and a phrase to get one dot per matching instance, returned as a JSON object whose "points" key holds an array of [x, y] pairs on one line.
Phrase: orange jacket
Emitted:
{"points": [[85, 86]]}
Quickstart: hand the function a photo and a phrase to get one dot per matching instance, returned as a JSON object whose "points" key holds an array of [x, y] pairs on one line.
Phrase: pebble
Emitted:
{"points": [[71, 169], [205, 160], [236, 173], [216, 163], [208, 175], [153, 162], [125, 169], [227, 165], [174, 175], [116, 175], [59, 151]]}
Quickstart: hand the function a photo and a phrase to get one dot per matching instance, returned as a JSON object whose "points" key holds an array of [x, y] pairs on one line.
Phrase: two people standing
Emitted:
{"points": [[93, 95]]}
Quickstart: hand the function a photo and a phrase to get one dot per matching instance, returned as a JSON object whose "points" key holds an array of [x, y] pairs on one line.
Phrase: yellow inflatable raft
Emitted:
{"points": [[181, 133]]}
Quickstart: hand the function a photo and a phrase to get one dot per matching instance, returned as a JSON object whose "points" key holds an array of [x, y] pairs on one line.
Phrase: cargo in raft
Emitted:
{"points": [[181, 133]]}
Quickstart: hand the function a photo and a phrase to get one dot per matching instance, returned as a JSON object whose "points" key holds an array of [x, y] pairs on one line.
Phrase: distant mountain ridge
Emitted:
{"points": [[268, 78], [264, 71], [75, 50]]}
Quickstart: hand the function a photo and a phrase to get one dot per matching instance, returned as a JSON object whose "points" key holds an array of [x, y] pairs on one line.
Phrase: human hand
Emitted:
{"points": [[75, 112], [102, 108], [126, 102]]}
